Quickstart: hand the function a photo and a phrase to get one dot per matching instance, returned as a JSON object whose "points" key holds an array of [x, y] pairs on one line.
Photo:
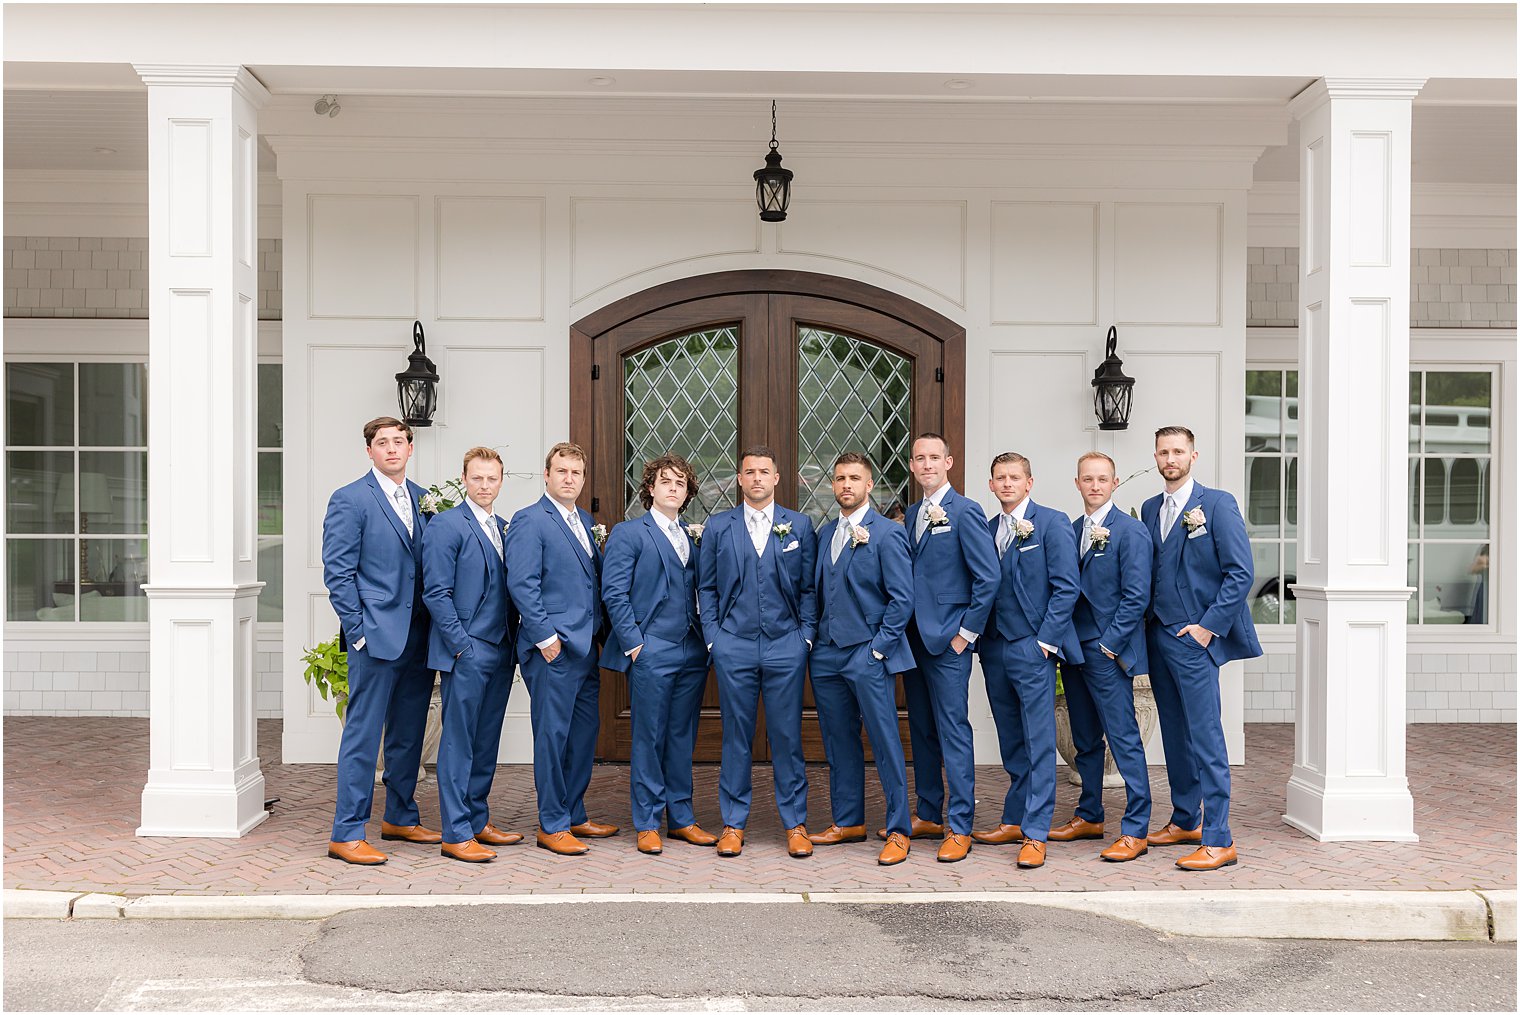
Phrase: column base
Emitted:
{"points": [[202, 810], [1356, 809]]}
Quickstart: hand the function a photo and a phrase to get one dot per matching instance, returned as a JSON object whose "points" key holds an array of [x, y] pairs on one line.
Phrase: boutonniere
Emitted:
{"points": [[440, 497], [1100, 537], [1023, 528], [783, 530], [859, 536], [599, 533], [1194, 519], [936, 516], [694, 532]]}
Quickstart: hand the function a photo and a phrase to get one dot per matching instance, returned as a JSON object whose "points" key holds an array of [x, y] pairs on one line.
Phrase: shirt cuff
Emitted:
{"points": [[1048, 648], [359, 644], [547, 642], [970, 636], [878, 655], [1110, 651], [630, 651]]}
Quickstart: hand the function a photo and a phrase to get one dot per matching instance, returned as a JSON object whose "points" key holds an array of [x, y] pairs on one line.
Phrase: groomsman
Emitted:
{"points": [[864, 579], [1198, 621], [955, 579], [649, 585], [1115, 552], [554, 571], [759, 613], [372, 567], [1030, 628], [464, 577]]}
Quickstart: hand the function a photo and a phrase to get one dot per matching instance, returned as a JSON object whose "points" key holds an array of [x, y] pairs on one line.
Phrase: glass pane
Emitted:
{"points": [[1267, 592], [39, 404], [1414, 410], [1290, 577], [271, 571], [1414, 581], [112, 575], [1290, 412], [113, 405], [113, 491], [682, 395], [1415, 472], [39, 579], [271, 501], [852, 396], [1434, 505], [1467, 498], [39, 489], [1290, 512], [1263, 497], [1263, 382], [271, 400], [1456, 583]]}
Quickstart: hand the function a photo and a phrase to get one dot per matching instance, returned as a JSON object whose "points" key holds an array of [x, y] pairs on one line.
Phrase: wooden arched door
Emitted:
{"points": [[811, 365]]}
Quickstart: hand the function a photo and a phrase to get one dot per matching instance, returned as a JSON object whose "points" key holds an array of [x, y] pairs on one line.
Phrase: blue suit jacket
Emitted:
{"points": [[644, 587], [371, 567], [555, 586], [721, 568], [955, 572], [1215, 570], [1039, 580], [876, 586], [1116, 583], [464, 585]]}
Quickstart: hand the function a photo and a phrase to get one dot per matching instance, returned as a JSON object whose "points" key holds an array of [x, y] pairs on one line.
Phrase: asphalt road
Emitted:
{"points": [[660, 956]]}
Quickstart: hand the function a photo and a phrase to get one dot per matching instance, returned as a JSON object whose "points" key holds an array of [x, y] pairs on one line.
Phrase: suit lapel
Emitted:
{"points": [[564, 528], [390, 512], [662, 546], [848, 553], [480, 535]]}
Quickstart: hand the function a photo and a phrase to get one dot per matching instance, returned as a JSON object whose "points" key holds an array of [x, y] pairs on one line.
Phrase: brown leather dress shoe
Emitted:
{"points": [[1075, 829], [593, 830], [1002, 835], [731, 842], [834, 835], [1209, 858], [410, 833], [470, 852], [797, 842], [1174, 835], [1032, 855], [649, 842], [562, 843], [1124, 849], [954, 848], [919, 829], [694, 835], [895, 851], [356, 852], [493, 836]]}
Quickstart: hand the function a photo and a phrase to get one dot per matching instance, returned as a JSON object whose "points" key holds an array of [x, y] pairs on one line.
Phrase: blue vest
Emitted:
{"points": [[771, 615], [1007, 614], [1085, 621], [833, 586], [1166, 598]]}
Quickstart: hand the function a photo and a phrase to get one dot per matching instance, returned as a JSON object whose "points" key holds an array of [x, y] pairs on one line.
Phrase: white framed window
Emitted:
{"points": [[271, 493], [1271, 501]]}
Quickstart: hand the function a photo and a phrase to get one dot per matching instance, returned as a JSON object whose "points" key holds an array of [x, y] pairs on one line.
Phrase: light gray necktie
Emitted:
{"points": [[1168, 516], [495, 533], [757, 533], [573, 519], [841, 536], [922, 524], [1087, 527], [1005, 535], [404, 507], [678, 541]]}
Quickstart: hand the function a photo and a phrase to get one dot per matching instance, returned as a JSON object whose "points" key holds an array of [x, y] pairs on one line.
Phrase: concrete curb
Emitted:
{"points": [[1478, 915]]}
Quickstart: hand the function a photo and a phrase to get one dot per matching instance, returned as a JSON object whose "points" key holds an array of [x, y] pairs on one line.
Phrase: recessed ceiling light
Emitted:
{"points": [[601, 81], [105, 151], [958, 84]]}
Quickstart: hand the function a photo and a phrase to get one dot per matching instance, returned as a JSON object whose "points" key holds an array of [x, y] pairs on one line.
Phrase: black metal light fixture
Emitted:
{"points": [[773, 185], [1112, 390], [417, 385]]}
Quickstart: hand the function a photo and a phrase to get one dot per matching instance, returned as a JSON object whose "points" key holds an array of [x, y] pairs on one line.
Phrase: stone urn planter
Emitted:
{"points": [[1145, 714], [432, 736]]}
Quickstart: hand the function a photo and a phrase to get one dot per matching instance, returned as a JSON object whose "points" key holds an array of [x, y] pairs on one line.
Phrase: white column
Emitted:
{"points": [[203, 775], [1348, 778]]}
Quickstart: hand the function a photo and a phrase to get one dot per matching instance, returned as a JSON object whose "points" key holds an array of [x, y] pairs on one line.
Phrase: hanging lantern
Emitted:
{"points": [[773, 185], [417, 385], [1112, 390]]}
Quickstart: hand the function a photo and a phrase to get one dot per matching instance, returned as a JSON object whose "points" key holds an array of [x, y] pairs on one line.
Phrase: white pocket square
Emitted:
{"points": [[794, 545], [1201, 530], [1026, 549], [939, 530]]}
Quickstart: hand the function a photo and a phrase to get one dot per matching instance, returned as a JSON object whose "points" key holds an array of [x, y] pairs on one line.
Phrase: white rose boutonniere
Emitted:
{"points": [[936, 516], [782, 530], [440, 497], [1100, 537], [694, 532], [1022, 530], [859, 536], [1194, 519], [599, 533]]}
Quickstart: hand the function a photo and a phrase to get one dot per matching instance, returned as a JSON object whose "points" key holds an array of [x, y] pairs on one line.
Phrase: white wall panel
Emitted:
{"points": [[1034, 413], [612, 239], [1171, 389], [1167, 263], [1044, 263], [495, 398], [490, 263], [363, 255], [923, 242]]}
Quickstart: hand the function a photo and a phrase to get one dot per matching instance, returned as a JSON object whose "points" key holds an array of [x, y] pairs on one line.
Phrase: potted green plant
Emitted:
{"points": [[327, 671]]}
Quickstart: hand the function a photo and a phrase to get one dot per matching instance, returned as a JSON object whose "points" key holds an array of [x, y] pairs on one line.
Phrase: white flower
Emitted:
{"points": [[694, 532], [599, 533], [1100, 536], [430, 503], [783, 530], [1023, 528], [1194, 519], [936, 515], [859, 536]]}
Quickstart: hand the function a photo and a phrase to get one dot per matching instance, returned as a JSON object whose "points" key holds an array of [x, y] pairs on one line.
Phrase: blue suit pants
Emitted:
{"points": [[751, 670], [939, 728], [665, 687], [563, 706], [1100, 698], [474, 704], [1027, 703], [387, 701], [1186, 683], [851, 685]]}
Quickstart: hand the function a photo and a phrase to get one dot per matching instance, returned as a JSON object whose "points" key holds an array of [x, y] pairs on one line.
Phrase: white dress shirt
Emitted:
{"points": [[389, 489], [935, 498], [759, 533], [1009, 518], [1180, 498], [487, 522]]}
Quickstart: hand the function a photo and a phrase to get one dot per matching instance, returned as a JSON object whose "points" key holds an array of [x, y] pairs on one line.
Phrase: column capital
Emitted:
{"points": [[1325, 89], [234, 76]]}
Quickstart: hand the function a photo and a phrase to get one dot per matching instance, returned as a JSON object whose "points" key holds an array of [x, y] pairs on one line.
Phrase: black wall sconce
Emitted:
{"points": [[417, 385], [1113, 392], [773, 185]]}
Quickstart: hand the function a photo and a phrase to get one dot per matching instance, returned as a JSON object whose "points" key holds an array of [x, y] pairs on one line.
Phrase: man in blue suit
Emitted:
{"points": [[759, 614], [464, 577], [1029, 630], [1199, 620], [864, 578], [649, 585], [372, 567], [955, 579], [554, 569], [1115, 553]]}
